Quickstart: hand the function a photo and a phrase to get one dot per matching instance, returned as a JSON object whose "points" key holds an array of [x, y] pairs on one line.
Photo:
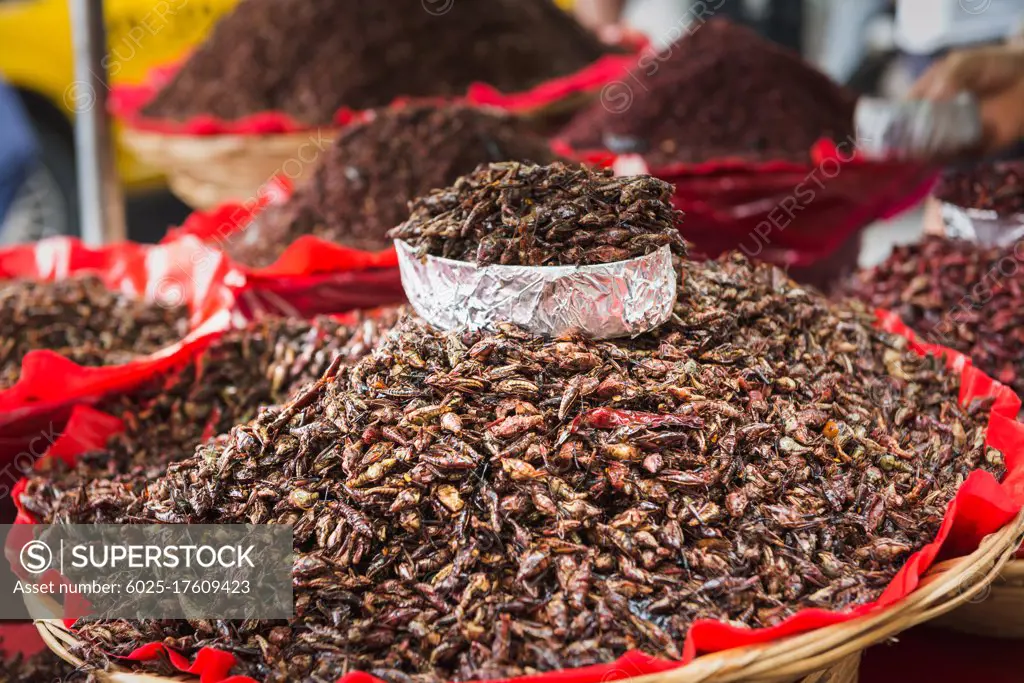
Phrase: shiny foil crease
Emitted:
{"points": [[917, 129], [605, 301], [981, 226]]}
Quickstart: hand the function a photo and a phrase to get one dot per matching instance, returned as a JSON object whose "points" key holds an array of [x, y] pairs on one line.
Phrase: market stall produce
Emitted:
{"points": [[982, 202], [325, 249], [759, 144], [83, 320], [514, 214], [80, 320], [720, 92], [492, 503], [363, 185], [965, 296], [236, 376], [996, 187], [956, 293], [308, 61], [277, 80]]}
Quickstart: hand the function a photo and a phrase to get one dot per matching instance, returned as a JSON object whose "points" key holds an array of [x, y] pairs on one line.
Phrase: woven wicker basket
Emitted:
{"points": [[999, 611], [826, 655], [845, 670], [206, 171]]}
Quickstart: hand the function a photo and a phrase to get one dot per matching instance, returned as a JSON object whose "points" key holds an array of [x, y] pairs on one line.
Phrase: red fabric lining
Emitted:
{"points": [[981, 506], [127, 101], [212, 666], [793, 214], [182, 272], [88, 428], [312, 276], [20, 638], [307, 255]]}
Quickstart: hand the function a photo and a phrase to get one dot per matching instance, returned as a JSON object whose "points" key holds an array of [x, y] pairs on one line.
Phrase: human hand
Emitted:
{"points": [[995, 76]]}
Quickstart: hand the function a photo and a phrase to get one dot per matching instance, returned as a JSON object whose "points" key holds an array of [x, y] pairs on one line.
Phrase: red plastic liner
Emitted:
{"points": [[85, 428], [183, 272], [20, 637], [312, 276], [788, 213], [981, 506], [127, 101]]}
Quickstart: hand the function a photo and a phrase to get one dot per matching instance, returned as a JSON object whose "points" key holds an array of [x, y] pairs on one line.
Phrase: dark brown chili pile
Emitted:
{"points": [[993, 186], [958, 294], [522, 214], [721, 91], [83, 320], [479, 506], [309, 59], [363, 186], [236, 376]]}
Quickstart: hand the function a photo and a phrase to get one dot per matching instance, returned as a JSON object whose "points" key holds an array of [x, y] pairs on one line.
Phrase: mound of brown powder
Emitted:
{"points": [[364, 184], [308, 59]]}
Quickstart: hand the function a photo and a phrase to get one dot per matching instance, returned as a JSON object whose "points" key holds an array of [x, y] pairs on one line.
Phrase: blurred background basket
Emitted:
{"points": [[205, 171], [1000, 614]]}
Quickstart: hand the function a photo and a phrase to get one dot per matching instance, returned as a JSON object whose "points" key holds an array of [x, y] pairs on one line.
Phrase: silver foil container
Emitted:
{"points": [[917, 129], [621, 299], [984, 227]]}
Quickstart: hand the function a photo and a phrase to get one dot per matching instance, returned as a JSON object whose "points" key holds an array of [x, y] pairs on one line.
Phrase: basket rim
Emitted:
{"points": [[944, 587], [208, 171], [142, 141], [1012, 577]]}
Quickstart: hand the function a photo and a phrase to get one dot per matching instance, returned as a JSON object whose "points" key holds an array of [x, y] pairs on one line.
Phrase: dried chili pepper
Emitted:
{"points": [[992, 186], [956, 293]]}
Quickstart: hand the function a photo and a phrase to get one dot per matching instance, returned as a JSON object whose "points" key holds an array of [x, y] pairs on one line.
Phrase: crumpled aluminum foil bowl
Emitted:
{"points": [[605, 301]]}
